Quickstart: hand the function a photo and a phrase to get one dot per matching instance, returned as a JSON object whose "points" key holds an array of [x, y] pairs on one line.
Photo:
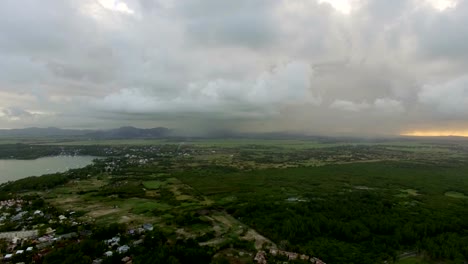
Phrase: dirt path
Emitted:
{"points": [[259, 239], [251, 234]]}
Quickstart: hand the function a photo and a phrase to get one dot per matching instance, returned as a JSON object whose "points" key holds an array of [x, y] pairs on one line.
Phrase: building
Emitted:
{"points": [[148, 227], [19, 234], [123, 249]]}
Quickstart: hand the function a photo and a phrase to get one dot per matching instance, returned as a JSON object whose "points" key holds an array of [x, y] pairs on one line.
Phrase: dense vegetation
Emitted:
{"points": [[359, 227], [356, 213]]}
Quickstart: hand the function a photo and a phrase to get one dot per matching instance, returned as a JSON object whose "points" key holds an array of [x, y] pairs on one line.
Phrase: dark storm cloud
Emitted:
{"points": [[246, 23]]}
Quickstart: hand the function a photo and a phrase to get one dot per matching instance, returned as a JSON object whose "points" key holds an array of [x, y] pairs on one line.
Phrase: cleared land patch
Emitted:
{"points": [[153, 185], [457, 195], [408, 193]]}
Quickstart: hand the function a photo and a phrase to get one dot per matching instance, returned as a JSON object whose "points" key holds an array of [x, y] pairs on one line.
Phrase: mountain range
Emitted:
{"points": [[118, 133], [129, 132]]}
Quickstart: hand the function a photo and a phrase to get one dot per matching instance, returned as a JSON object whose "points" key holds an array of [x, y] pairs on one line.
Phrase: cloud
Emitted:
{"points": [[387, 105], [380, 105], [118, 6], [443, 4], [349, 106], [448, 98], [242, 23], [15, 113], [299, 65], [18, 114], [284, 84]]}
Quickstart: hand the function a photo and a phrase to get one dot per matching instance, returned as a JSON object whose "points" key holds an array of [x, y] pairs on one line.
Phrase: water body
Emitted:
{"points": [[12, 170]]}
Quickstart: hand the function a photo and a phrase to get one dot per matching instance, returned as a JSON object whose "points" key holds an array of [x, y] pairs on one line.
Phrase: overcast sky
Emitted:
{"points": [[373, 67]]}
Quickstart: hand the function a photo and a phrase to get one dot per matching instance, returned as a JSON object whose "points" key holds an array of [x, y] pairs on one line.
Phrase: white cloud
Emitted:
{"points": [[380, 105], [344, 6], [389, 106], [116, 5], [442, 5], [286, 83], [349, 105], [18, 114]]}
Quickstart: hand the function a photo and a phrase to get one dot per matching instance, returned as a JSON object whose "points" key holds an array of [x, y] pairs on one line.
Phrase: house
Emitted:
{"points": [[67, 236], [316, 261], [123, 249], [19, 216], [113, 241], [138, 242], [44, 245], [292, 255], [29, 249], [295, 256], [108, 254], [148, 227], [19, 252], [8, 256], [38, 212], [45, 238], [19, 234], [261, 257]]}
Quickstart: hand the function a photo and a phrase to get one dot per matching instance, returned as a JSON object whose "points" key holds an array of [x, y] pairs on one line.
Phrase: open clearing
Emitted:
{"points": [[408, 193], [457, 195]]}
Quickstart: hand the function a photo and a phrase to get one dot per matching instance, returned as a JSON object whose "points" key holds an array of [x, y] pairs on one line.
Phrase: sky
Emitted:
{"points": [[322, 67]]}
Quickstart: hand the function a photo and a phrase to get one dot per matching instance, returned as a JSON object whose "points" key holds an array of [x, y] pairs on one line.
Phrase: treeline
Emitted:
{"points": [[26, 151], [43, 182], [358, 227]]}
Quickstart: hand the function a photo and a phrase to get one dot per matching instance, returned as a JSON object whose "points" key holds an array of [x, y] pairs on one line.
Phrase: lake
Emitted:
{"points": [[12, 170]]}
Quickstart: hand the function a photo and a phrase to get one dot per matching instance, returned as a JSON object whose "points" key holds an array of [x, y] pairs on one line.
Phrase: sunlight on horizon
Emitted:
{"points": [[344, 6], [442, 5], [437, 133], [117, 6]]}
